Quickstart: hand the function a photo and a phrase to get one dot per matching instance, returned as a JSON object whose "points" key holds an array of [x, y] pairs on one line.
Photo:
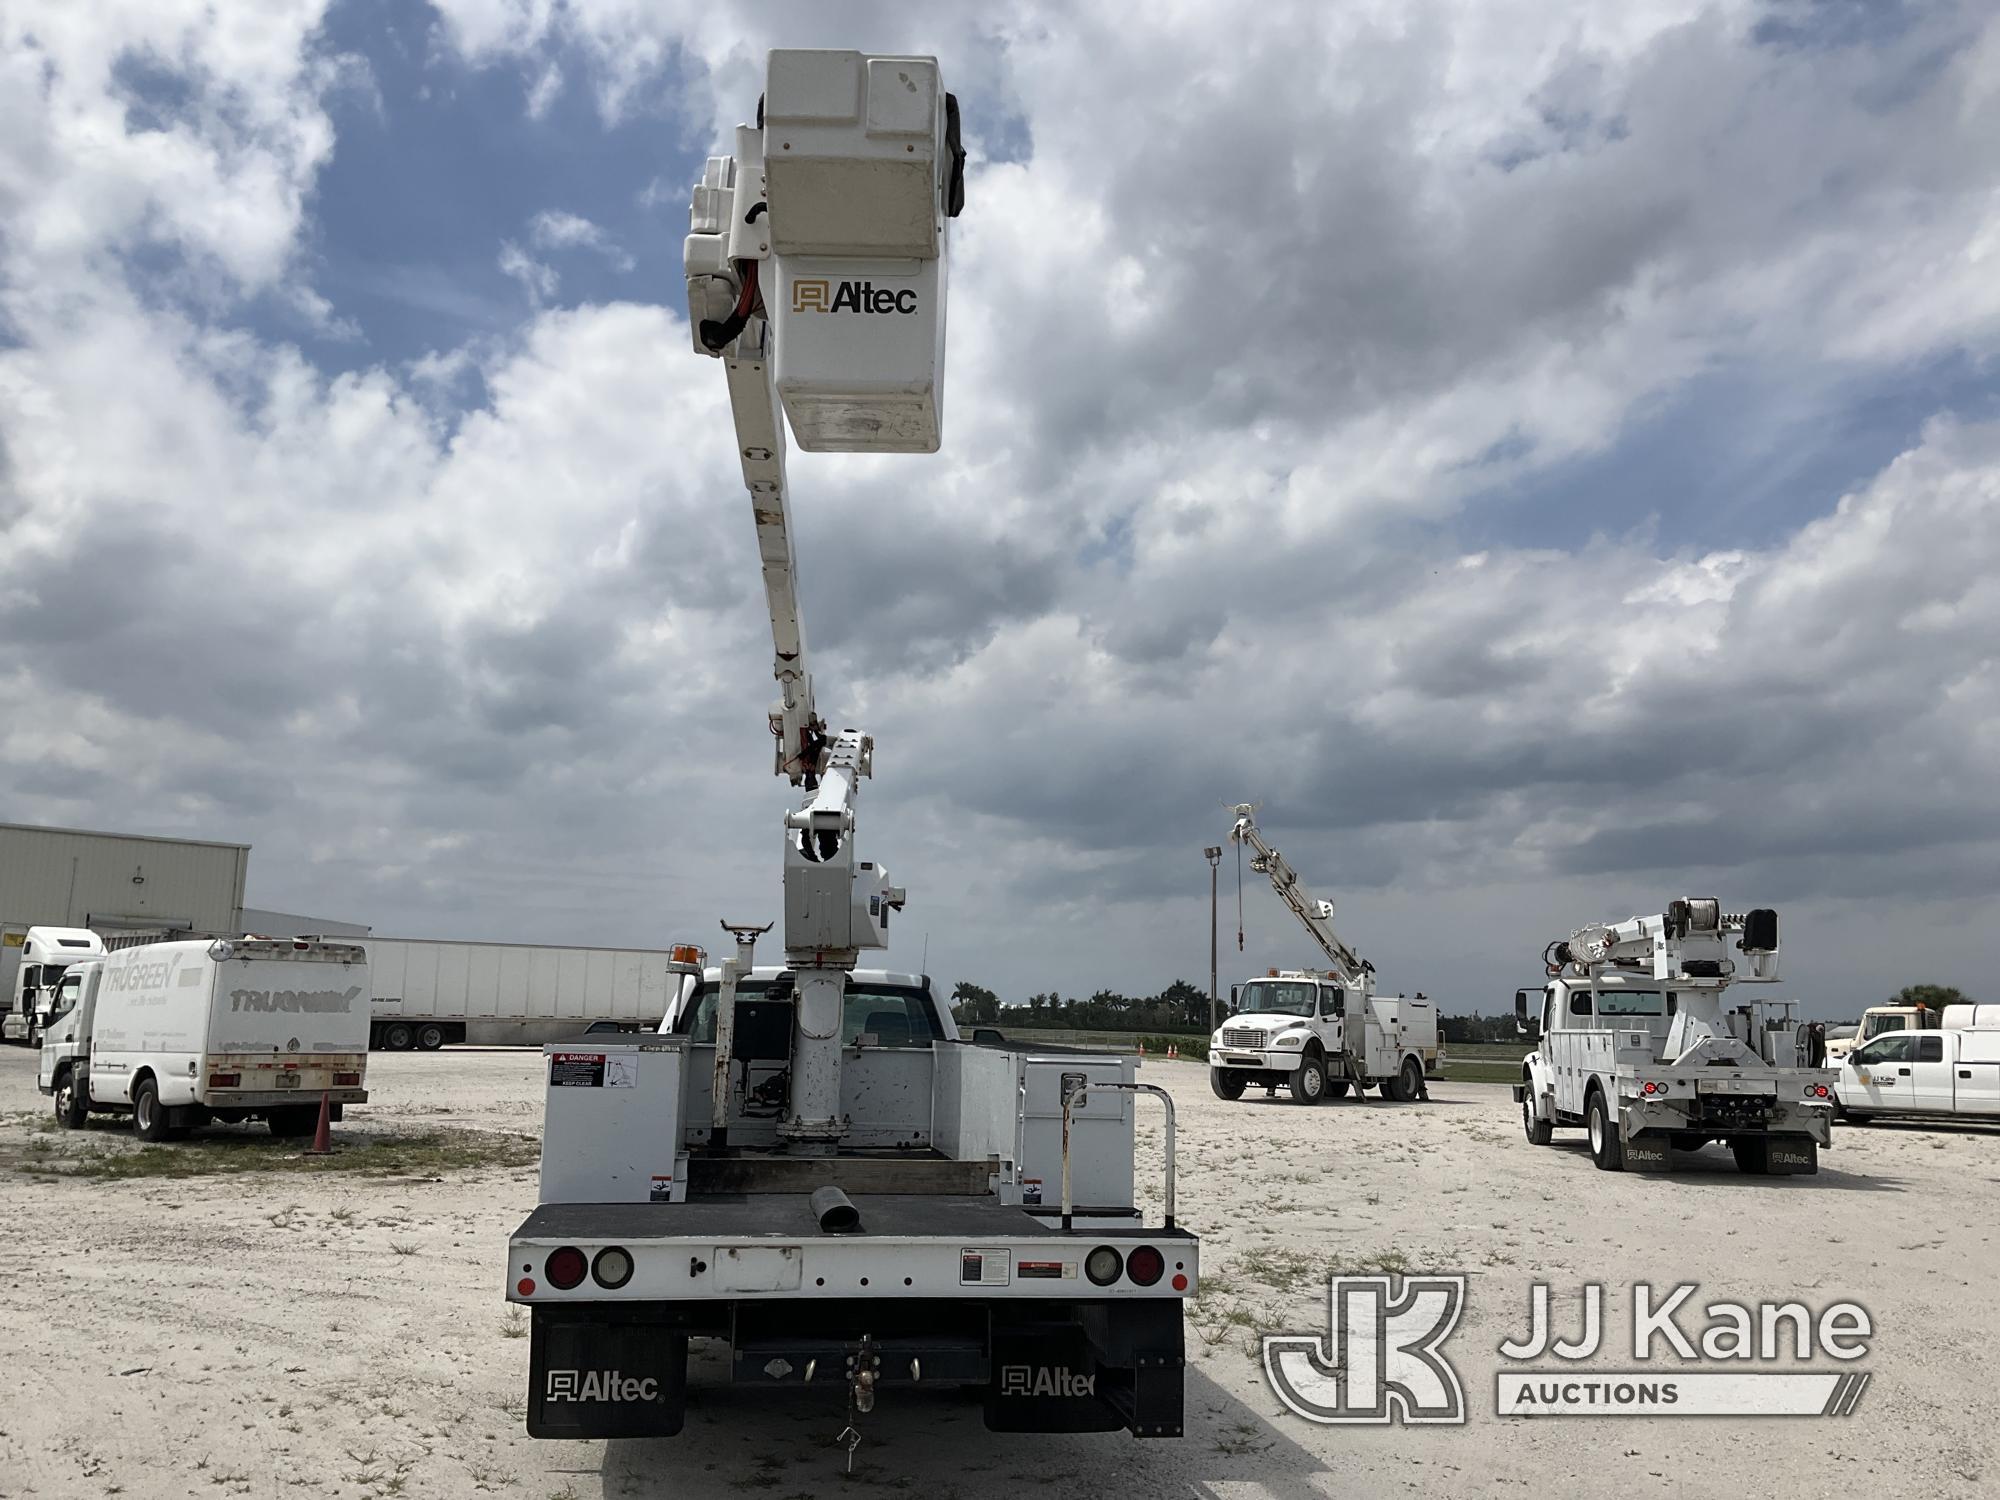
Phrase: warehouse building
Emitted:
{"points": [[127, 887]]}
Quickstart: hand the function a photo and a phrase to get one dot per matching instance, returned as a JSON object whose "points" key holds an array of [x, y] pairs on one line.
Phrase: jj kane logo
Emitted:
{"points": [[601, 1385], [1045, 1380], [1382, 1357], [817, 294]]}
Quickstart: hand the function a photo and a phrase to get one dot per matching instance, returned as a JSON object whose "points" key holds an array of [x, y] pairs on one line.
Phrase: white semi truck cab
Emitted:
{"points": [[32, 976], [1635, 1043]]}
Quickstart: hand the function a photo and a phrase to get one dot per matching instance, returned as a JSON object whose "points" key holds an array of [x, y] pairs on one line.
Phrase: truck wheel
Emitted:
{"points": [[149, 1118], [1605, 1147], [1408, 1082], [1540, 1132], [398, 1036], [72, 1102], [1227, 1084], [1309, 1083], [430, 1037], [1752, 1155], [1337, 1087]]}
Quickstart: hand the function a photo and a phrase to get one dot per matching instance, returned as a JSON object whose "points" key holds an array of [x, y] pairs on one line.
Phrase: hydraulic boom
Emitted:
{"points": [[1314, 915]]}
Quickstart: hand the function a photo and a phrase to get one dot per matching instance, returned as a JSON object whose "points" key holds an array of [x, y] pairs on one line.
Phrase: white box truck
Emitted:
{"points": [[178, 1034], [32, 964], [429, 993]]}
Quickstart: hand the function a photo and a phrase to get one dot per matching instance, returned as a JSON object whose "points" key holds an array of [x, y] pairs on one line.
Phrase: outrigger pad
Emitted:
{"points": [[591, 1379]]}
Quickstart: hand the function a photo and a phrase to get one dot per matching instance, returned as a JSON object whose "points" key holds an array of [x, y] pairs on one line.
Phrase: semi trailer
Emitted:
{"points": [[430, 993]]}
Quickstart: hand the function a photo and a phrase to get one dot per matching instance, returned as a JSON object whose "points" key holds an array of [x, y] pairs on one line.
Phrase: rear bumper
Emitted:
{"points": [[273, 1098]]}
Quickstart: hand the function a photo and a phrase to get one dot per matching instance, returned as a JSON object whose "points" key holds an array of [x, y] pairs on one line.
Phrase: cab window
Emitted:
{"points": [[895, 1016], [1900, 1048], [1930, 1049]]}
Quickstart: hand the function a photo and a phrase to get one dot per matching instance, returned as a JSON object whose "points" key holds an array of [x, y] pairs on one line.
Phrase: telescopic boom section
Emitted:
{"points": [[1314, 915], [815, 273]]}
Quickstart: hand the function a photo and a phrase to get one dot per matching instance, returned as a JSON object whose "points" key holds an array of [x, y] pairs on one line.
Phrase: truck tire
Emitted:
{"points": [[430, 1037], [149, 1116], [398, 1036], [72, 1101], [1540, 1132], [1605, 1147], [1408, 1082], [1309, 1082], [1337, 1087], [1227, 1084]]}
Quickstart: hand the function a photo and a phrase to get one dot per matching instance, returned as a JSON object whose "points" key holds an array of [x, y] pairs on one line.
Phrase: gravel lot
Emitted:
{"points": [[292, 1331]]}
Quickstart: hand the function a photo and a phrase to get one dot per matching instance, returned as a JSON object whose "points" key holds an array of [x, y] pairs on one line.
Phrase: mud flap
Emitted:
{"points": [[1648, 1151], [592, 1377], [1791, 1156], [1045, 1379]]}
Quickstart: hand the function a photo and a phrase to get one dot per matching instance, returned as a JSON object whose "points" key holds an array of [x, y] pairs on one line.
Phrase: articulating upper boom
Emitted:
{"points": [[1316, 915]]}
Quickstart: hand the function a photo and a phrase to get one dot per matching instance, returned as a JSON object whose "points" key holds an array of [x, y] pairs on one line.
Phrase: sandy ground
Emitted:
{"points": [[275, 1335]]}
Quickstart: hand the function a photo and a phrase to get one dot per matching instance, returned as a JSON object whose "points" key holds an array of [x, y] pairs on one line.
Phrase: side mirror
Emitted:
{"points": [[1235, 990], [986, 1036], [1526, 1022]]}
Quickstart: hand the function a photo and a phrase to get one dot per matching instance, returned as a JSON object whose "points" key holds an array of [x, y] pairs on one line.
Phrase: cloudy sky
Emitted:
{"points": [[1547, 453]]}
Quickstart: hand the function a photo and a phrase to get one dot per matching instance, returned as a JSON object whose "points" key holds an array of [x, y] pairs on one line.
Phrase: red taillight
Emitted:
{"points": [[225, 1080], [1180, 1283], [566, 1268], [347, 1080], [525, 1286], [1145, 1265]]}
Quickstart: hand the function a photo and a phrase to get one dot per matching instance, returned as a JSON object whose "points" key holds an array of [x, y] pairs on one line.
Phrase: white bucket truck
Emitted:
{"points": [[815, 1170], [31, 976], [1317, 1034], [1635, 1044], [177, 1034]]}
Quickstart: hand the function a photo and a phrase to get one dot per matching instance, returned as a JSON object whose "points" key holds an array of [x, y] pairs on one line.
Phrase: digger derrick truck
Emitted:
{"points": [[805, 1163], [1638, 1040], [1318, 1033]]}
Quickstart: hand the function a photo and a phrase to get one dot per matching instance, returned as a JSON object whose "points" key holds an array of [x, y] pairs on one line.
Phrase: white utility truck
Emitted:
{"points": [[1316, 1034], [1880, 1020], [429, 993], [1952, 1070], [178, 1034], [1635, 1043], [31, 975], [823, 1177]]}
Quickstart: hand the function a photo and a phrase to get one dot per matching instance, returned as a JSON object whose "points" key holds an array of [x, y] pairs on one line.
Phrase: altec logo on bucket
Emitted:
{"points": [[816, 294], [601, 1385]]}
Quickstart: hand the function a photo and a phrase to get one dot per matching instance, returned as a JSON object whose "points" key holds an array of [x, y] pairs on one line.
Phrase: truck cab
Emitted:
{"points": [[1952, 1069], [1880, 1020], [37, 968], [1318, 1037]]}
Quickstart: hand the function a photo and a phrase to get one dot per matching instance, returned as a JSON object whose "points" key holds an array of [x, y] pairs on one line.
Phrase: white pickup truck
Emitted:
{"points": [[178, 1034], [1952, 1070]]}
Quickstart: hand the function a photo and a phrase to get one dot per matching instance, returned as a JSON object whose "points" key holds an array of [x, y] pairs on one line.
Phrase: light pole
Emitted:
{"points": [[1214, 853]]}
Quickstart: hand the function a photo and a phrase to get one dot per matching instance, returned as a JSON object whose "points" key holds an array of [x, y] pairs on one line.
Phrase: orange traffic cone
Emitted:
{"points": [[323, 1137], [1142, 1049], [1172, 1051]]}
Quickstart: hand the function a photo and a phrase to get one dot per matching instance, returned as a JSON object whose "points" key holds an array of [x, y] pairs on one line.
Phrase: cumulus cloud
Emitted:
{"points": [[1250, 346]]}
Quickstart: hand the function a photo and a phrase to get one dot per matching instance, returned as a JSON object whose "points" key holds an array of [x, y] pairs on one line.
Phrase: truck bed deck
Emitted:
{"points": [[789, 1216]]}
